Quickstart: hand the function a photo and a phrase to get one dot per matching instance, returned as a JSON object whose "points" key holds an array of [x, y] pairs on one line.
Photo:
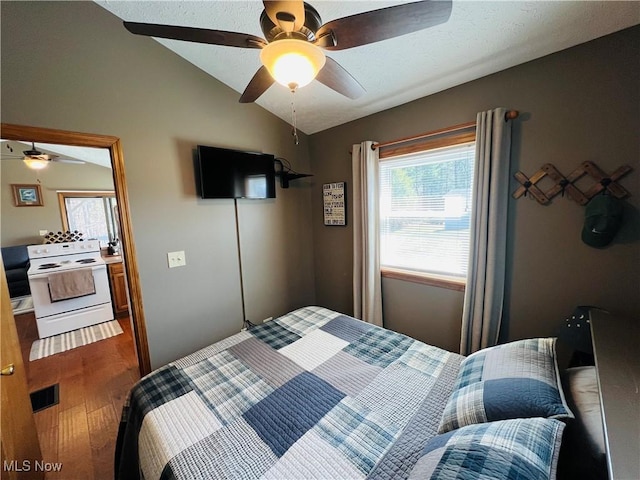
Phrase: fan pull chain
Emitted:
{"points": [[293, 118]]}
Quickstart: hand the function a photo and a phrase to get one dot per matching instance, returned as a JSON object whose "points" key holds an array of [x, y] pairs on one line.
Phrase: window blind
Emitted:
{"points": [[425, 210]]}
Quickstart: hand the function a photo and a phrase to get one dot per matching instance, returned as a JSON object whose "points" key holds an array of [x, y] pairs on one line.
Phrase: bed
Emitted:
{"points": [[318, 394]]}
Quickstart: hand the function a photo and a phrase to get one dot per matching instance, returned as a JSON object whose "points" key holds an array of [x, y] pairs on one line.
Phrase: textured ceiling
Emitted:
{"points": [[480, 38]]}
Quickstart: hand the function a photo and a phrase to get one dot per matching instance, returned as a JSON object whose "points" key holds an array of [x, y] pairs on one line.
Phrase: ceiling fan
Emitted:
{"points": [[292, 53], [37, 160]]}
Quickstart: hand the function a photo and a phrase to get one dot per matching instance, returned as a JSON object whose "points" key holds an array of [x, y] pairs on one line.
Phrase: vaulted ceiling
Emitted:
{"points": [[480, 38]]}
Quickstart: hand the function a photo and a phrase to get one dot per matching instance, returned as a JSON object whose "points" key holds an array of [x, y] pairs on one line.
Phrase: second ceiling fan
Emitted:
{"points": [[292, 53], [36, 159]]}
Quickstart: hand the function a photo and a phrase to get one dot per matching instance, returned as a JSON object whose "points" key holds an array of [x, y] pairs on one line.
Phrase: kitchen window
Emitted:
{"points": [[94, 214], [425, 212]]}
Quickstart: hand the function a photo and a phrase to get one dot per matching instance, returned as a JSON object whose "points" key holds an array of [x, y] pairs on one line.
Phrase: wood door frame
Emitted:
{"points": [[19, 445], [63, 137]]}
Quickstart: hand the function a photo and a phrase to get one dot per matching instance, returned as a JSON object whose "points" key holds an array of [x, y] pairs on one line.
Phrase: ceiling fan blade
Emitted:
{"points": [[68, 160], [259, 84], [381, 24], [199, 35], [337, 78], [283, 12]]}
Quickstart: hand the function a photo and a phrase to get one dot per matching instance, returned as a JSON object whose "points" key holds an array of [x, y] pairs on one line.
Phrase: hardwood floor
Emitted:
{"points": [[80, 432]]}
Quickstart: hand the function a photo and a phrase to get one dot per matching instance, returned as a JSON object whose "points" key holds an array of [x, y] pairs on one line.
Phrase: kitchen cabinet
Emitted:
{"points": [[118, 284]]}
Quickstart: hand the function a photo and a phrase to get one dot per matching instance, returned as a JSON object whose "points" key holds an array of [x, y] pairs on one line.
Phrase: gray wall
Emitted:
{"points": [[72, 66], [21, 225], [577, 105], [84, 72]]}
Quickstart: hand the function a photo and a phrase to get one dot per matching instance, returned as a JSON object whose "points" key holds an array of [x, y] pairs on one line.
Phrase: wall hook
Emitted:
{"points": [[562, 184]]}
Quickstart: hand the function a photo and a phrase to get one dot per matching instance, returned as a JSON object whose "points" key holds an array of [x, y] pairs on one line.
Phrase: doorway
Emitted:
{"points": [[45, 135], [75, 365]]}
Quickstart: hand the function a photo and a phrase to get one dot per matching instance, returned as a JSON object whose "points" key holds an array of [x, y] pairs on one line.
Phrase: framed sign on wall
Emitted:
{"points": [[334, 201]]}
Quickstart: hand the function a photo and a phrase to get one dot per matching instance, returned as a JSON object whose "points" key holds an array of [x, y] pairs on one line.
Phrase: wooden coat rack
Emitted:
{"points": [[564, 184]]}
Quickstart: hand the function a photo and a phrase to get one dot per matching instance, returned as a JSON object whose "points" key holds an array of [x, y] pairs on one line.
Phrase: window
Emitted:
{"points": [[94, 214], [425, 210]]}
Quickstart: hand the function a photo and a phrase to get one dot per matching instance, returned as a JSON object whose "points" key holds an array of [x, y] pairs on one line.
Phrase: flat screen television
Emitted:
{"points": [[225, 173]]}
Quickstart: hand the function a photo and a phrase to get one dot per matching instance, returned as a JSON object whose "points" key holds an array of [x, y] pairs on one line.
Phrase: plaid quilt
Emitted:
{"points": [[312, 395]]}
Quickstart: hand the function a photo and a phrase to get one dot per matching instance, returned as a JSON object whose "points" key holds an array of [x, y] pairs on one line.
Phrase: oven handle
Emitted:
{"points": [[46, 275]]}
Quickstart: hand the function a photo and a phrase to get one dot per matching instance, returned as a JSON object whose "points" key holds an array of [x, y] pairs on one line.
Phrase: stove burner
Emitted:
{"points": [[46, 266], [86, 260]]}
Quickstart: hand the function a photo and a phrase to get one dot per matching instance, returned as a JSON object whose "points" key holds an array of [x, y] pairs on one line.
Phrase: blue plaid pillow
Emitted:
{"points": [[514, 380], [523, 449]]}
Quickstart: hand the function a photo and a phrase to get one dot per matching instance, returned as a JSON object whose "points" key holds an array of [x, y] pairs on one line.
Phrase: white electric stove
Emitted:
{"points": [[55, 317]]}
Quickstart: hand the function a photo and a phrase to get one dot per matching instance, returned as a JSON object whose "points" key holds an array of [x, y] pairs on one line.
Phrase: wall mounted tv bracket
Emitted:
{"points": [[286, 174]]}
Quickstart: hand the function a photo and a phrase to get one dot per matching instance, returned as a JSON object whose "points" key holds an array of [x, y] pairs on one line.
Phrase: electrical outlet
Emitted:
{"points": [[43, 232], [176, 259]]}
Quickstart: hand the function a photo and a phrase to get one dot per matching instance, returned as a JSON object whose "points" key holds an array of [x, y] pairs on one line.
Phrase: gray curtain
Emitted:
{"points": [[367, 290], [484, 293]]}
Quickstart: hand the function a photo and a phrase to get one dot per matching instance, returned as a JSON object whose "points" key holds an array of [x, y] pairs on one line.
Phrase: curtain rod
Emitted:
{"points": [[509, 115]]}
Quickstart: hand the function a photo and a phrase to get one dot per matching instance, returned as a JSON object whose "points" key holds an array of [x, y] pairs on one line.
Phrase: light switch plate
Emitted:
{"points": [[176, 259]]}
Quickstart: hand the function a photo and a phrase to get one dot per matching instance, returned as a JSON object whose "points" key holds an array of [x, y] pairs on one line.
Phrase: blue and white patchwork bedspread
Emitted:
{"points": [[312, 395]]}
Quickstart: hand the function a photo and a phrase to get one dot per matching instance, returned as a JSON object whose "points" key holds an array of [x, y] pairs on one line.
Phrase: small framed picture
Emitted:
{"points": [[27, 195]]}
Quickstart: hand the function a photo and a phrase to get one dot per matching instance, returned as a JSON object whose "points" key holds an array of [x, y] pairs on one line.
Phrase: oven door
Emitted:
{"points": [[43, 306]]}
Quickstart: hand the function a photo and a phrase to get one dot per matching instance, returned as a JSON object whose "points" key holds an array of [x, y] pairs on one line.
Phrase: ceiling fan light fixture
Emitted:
{"points": [[35, 163], [291, 62]]}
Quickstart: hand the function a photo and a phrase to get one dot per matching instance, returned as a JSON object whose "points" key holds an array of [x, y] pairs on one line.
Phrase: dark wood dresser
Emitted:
{"points": [[616, 347]]}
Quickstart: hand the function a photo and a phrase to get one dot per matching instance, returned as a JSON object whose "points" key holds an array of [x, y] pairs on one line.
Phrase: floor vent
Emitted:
{"points": [[45, 398]]}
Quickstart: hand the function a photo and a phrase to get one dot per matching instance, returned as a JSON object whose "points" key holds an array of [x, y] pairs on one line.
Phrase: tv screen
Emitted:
{"points": [[225, 173]]}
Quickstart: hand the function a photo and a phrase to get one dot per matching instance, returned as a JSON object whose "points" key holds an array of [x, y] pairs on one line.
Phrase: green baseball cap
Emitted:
{"points": [[603, 217]]}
